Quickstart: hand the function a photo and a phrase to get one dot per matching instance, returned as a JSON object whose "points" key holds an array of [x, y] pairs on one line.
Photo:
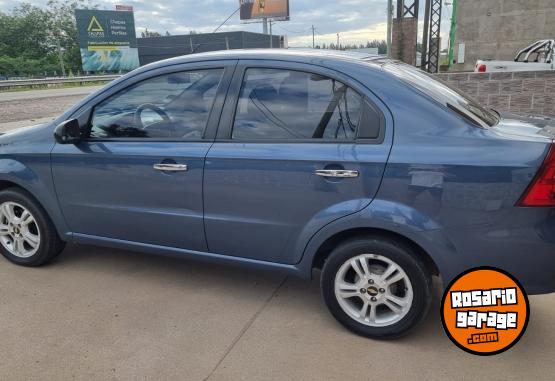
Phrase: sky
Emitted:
{"points": [[356, 21]]}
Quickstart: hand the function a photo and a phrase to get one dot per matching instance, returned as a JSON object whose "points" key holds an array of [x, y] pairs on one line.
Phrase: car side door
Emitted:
{"points": [[298, 146], [136, 176]]}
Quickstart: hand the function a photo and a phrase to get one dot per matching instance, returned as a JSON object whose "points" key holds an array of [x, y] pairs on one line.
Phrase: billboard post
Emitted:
{"points": [[107, 40]]}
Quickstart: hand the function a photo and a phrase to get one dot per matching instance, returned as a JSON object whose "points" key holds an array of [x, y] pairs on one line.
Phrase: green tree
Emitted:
{"points": [[63, 29], [30, 36], [22, 33]]}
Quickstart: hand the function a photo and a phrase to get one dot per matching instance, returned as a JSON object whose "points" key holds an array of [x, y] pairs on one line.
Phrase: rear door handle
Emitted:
{"points": [[341, 173], [165, 167]]}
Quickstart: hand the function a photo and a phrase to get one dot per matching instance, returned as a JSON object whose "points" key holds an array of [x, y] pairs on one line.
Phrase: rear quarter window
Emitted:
{"points": [[457, 101]]}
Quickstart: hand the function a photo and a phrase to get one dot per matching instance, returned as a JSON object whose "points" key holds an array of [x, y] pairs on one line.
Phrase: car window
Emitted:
{"points": [[442, 92], [175, 105], [285, 104]]}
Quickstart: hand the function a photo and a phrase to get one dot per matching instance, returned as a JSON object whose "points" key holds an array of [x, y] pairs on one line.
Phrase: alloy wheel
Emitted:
{"points": [[19, 232], [373, 290]]}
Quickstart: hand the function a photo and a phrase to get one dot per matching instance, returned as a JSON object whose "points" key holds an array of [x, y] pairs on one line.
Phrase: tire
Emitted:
{"points": [[26, 252], [380, 306]]}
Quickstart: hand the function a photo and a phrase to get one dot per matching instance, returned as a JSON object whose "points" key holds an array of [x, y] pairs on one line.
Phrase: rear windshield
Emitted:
{"points": [[444, 93]]}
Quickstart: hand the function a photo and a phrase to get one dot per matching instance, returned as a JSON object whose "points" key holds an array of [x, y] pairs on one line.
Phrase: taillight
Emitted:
{"points": [[482, 68], [542, 190]]}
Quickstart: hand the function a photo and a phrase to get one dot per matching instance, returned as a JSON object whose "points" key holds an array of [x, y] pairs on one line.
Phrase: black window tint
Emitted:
{"points": [[175, 105], [284, 104]]}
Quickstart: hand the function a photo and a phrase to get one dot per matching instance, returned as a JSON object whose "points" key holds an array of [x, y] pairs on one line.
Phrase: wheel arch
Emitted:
{"points": [[325, 249], [7, 184]]}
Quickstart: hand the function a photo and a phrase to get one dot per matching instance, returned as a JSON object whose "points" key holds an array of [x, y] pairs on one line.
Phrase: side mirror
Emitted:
{"points": [[68, 132]]}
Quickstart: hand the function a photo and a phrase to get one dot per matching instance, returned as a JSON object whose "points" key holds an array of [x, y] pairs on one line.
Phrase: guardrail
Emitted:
{"points": [[54, 81]]}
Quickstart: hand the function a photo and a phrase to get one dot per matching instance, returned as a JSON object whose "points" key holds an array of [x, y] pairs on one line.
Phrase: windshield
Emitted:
{"points": [[443, 92]]}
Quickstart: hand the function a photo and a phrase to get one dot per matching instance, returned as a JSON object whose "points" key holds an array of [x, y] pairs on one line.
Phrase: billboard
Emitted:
{"points": [[259, 9], [120, 7], [107, 40]]}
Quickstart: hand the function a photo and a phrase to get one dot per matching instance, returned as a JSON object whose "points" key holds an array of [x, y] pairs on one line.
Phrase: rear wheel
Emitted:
{"points": [[376, 287], [27, 235]]}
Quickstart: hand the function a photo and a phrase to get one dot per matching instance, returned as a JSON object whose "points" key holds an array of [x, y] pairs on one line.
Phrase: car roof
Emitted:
{"points": [[292, 55]]}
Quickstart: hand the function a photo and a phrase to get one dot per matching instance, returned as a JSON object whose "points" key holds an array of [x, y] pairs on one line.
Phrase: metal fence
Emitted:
{"points": [[46, 82]]}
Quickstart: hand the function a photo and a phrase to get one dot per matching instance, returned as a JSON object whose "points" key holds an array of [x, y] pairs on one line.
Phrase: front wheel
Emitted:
{"points": [[27, 235], [376, 287]]}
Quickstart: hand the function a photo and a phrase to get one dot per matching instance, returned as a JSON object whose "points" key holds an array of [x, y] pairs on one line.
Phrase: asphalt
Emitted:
{"points": [[46, 93], [24, 108], [105, 314]]}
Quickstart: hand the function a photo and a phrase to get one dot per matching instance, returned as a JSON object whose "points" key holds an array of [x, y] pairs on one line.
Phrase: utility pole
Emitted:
{"points": [[452, 34], [425, 37], [389, 25], [337, 41], [265, 25], [60, 56], [434, 33], [313, 45], [271, 36]]}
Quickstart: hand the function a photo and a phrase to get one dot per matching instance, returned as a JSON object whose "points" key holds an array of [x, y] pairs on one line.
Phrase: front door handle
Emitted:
{"points": [[166, 167], [341, 173]]}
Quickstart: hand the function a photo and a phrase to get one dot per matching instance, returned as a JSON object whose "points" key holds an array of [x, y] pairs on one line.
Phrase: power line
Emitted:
{"points": [[291, 31], [226, 20]]}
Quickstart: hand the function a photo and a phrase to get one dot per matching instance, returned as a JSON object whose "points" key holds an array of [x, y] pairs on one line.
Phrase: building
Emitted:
{"points": [[153, 49], [497, 29]]}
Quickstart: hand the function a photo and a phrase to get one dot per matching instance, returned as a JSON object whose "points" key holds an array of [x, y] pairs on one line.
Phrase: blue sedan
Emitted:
{"points": [[374, 173]]}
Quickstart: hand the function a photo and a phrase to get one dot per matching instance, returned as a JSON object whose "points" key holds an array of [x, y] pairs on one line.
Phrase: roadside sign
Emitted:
{"points": [[126, 8], [107, 40], [261, 9]]}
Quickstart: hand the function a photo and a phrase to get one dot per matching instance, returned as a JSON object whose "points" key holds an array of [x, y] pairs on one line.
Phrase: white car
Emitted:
{"points": [[539, 56]]}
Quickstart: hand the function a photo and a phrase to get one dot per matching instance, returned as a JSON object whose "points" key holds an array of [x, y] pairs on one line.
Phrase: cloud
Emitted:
{"points": [[353, 36], [355, 20]]}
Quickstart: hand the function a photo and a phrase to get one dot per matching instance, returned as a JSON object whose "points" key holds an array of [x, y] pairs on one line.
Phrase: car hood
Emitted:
{"points": [[37, 135], [528, 127]]}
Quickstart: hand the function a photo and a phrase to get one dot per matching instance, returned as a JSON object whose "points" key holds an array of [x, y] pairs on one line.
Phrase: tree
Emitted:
{"points": [[22, 32], [29, 38], [64, 29]]}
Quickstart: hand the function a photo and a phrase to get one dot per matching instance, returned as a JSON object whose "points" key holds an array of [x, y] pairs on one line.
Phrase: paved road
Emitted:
{"points": [[109, 314], [46, 93], [25, 107]]}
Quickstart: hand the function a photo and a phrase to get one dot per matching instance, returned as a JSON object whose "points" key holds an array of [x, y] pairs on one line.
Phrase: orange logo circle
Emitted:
{"points": [[485, 311]]}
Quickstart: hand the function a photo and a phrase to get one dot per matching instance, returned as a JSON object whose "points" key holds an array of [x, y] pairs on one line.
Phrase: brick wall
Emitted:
{"points": [[518, 92], [403, 39]]}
